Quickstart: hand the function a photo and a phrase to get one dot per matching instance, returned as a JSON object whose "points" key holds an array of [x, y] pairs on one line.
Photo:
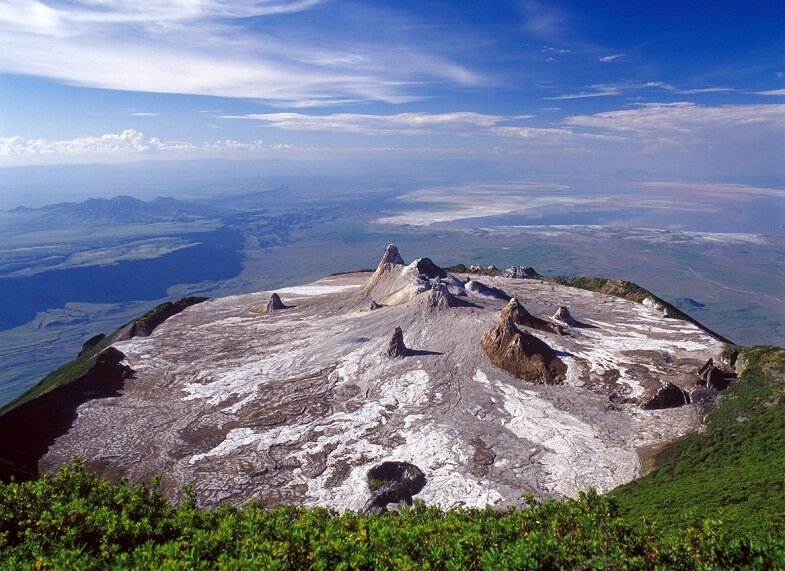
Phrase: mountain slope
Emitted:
{"points": [[735, 470]]}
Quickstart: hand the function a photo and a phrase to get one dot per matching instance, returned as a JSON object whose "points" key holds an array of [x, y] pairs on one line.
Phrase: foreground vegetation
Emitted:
{"points": [[73, 519], [735, 470]]}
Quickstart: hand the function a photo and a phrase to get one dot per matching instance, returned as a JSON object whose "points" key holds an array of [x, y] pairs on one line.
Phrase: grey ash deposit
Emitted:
{"points": [[295, 405]]}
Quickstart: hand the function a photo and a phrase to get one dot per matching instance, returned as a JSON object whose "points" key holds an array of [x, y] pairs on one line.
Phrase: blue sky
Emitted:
{"points": [[692, 88]]}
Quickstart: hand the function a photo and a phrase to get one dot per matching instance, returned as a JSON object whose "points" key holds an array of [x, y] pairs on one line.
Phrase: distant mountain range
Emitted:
{"points": [[125, 210]]}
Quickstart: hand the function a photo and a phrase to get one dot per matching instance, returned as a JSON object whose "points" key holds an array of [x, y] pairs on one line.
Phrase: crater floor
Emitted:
{"points": [[295, 405]]}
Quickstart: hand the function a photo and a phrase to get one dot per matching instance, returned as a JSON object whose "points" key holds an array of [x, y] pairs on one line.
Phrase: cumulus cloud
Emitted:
{"points": [[127, 143]]}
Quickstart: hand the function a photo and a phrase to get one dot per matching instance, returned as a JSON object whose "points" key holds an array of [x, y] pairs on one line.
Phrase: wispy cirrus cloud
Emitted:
{"points": [[681, 117], [688, 125], [597, 91], [683, 91], [208, 48], [71, 18], [611, 89], [543, 19], [773, 92], [610, 58], [399, 124], [464, 123]]}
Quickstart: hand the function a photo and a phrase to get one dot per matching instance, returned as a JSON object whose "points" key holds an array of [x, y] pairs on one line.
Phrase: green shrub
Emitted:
{"points": [[735, 470], [74, 519]]}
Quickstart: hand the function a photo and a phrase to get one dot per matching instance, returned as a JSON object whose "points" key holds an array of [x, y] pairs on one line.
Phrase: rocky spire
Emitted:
{"points": [[275, 304], [386, 272], [392, 257], [396, 346], [515, 311], [563, 314], [522, 354], [440, 296]]}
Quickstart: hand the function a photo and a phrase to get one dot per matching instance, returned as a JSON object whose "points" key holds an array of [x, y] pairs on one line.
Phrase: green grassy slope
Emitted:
{"points": [[735, 470], [74, 520], [68, 373], [64, 375]]}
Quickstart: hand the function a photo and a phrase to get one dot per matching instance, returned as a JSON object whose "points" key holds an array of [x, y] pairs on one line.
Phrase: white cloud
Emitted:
{"points": [[607, 89], [552, 50], [682, 117], [144, 114], [542, 19], [599, 91], [67, 18], [681, 91], [399, 124], [127, 143], [206, 47], [683, 124], [610, 58], [776, 92]]}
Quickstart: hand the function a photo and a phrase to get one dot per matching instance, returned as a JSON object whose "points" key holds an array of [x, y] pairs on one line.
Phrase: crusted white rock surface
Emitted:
{"points": [[294, 406]]}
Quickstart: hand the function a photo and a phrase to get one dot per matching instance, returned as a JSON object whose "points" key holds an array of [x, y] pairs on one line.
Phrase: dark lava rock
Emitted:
{"points": [[482, 289], [522, 354], [714, 377], [515, 311], [275, 304], [92, 342], [392, 483], [396, 346], [375, 306], [428, 269], [27, 431], [521, 272], [703, 399], [729, 358], [668, 396], [145, 325]]}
